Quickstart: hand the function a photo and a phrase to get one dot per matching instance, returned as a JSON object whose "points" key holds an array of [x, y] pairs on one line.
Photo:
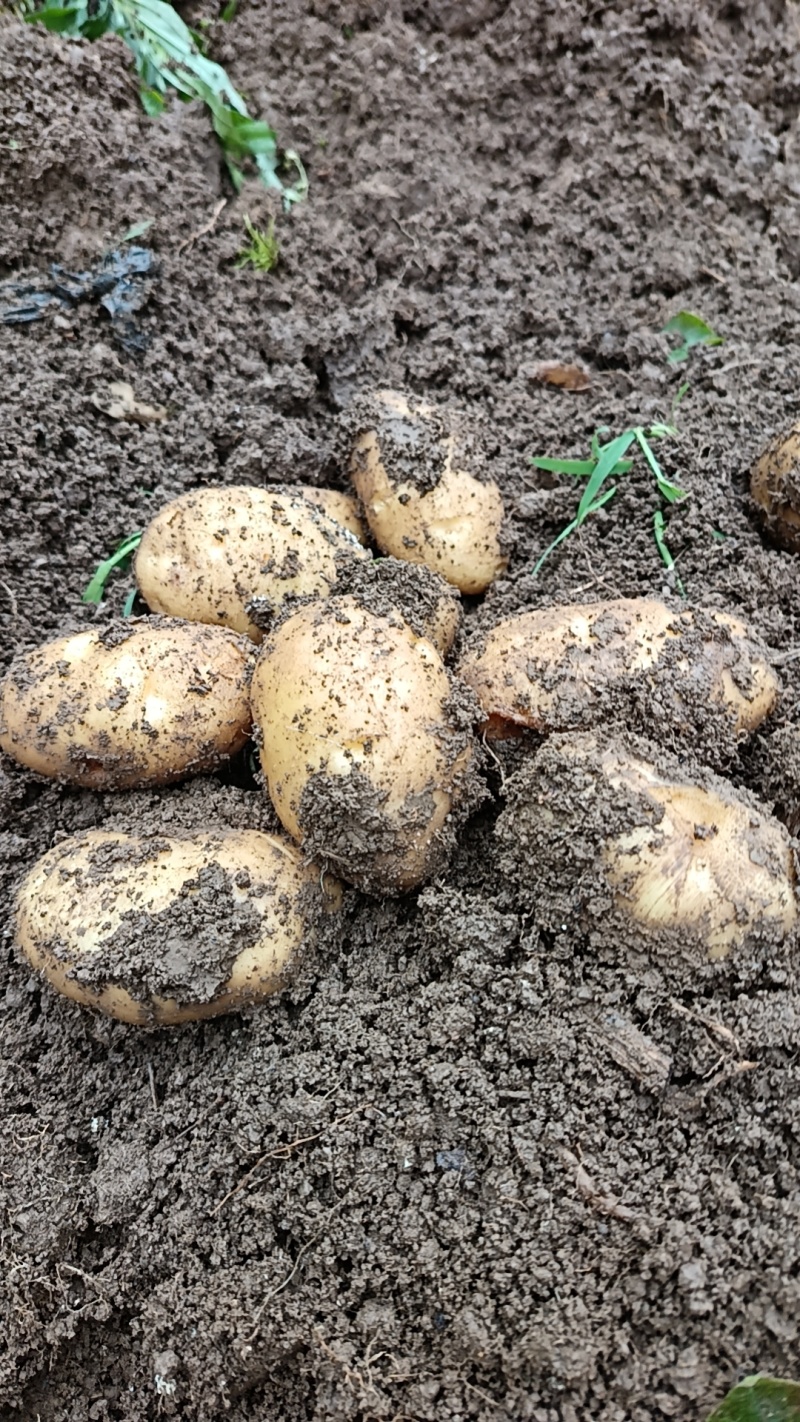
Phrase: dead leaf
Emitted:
{"points": [[119, 403], [567, 377]]}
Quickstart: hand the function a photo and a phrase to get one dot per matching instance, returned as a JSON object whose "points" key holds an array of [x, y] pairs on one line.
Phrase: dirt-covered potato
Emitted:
{"points": [[775, 486], [210, 553], [598, 828], [430, 606], [366, 742], [421, 504], [342, 507], [131, 704], [575, 665], [156, 931]]}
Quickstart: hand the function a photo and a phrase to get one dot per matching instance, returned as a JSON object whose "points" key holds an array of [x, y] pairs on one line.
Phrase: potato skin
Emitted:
{"points": [[611, 828], [342, 507], [551, 669], [451, 523], [207, 554], [131, 704], [158, 931], [775, 486], [366, 753]]}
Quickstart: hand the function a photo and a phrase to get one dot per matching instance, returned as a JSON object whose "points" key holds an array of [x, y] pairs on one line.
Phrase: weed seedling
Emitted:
{"points": [[693, 331], [170, 57], [608, 463], [264, 251], [119, 558]]}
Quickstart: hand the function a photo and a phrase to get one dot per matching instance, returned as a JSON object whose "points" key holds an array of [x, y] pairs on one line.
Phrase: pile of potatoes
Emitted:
{"points": [[272, 619]]}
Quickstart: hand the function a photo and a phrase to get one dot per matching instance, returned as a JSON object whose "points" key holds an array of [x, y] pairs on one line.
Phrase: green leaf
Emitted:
{"points": [[580, 468], [610, 453], [127, 607], [571, 527], [96, 588], [693, 330], [659, 533], [228, 11], [668, 491], [152, 102], [61, 19], [138, 229], [760, 1399]]}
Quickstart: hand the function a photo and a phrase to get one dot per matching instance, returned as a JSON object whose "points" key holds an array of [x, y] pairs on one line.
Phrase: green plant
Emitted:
{"points": [[119, 558], [169, 56], [760, 1399], [607, 463], [264, 251], [693, 331]]}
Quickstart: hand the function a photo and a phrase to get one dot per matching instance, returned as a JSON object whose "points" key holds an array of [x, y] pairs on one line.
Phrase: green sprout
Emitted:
{"points": [[264, 251], [693, 331], [607, 463], [169, 57], [119, 558]]}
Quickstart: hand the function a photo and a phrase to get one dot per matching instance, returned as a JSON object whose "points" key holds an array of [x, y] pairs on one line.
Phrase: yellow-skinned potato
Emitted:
{"points": [[775, 486], [419, 503], [366, 750], [342, 507], [208, 554], [672, 853], [559, 667], [131, 704], [157, 931]]}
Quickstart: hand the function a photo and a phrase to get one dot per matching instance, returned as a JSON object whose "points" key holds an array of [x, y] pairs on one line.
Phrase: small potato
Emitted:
{"points": [[156, 931], [129, 704], [775, 486], [419, 503], [210, 553], [609, 829], [342, 507], [570, 666], [365, 742]]}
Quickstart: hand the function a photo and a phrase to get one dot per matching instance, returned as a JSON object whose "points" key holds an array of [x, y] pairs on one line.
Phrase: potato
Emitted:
{"points": [[156, 931], [389, 587], [129, 704], [602, 828], [569, 666], [420, 504], [365, 743], [342, 507], [775, 486], [208, 554]]}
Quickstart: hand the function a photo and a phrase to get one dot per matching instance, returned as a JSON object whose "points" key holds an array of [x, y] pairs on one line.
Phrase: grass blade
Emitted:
{"points": [[571, 527], [610, 454], [659, 533], [668, 491], [96, 588], [579, 468]]}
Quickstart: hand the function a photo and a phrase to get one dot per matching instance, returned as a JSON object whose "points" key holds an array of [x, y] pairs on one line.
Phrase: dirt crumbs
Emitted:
{"points": [[469, 1163]]}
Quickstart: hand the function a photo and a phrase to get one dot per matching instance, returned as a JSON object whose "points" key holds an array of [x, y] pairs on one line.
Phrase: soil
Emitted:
{"points": [[466, 1165]]}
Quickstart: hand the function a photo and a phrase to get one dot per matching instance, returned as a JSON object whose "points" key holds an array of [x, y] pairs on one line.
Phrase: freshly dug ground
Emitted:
{"points": [[468, 1166]]}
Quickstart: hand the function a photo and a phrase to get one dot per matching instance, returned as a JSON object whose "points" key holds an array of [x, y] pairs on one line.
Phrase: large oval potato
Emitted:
{"points": [[131, 704], [419, 503], [566, 666], [208, 554], [775, 486], [367, 750], [156, 931], [597, 827]]}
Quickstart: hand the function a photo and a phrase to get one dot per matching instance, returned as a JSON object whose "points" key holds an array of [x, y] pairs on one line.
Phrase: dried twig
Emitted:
{"points": [[204, 230], [284, 1152]]}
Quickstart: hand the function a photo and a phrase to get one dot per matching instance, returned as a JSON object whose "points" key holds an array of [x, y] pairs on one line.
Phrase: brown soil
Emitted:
{"points": [[467, 1165]]}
